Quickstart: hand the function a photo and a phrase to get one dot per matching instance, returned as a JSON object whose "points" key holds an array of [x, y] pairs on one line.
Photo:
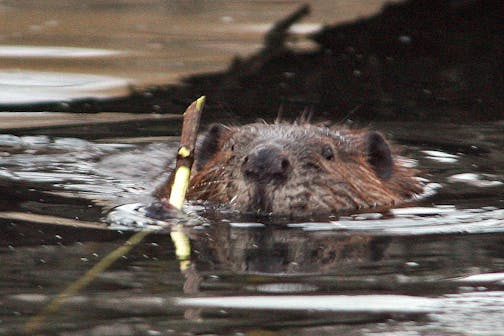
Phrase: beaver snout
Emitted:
{"points": [[266, 164]]}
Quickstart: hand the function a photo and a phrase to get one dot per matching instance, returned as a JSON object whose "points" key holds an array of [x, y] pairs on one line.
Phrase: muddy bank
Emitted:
{"points": [[433, 60]]}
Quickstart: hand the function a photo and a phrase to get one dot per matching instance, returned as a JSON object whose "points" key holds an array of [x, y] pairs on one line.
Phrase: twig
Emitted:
{"points": [[178, 188]]}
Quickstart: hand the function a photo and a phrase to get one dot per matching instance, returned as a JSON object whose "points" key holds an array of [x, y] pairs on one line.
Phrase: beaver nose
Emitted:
{"points": [[266, 164]]}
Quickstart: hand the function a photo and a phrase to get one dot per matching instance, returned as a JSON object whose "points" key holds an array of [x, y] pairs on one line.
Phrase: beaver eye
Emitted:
{"points": [[327, 152], [231, 145]]}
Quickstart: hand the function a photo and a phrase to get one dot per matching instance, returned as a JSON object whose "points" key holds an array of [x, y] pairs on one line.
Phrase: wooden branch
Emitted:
{"points": [[172, 192]]}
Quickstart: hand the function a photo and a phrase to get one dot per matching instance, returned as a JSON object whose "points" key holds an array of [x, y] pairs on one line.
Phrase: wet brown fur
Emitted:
{"points": [[316, 185]]}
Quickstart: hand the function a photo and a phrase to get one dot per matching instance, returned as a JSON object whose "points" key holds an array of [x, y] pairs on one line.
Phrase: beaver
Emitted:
{"points": [[299, 169]]}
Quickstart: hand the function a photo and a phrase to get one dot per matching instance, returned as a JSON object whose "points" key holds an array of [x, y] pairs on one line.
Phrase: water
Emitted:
{"points": [[74, 187], [100, 48], [67, 202]]}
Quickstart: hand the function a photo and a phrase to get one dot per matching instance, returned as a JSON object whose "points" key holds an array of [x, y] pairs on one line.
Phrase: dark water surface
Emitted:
{"points": [[67, 202], [74, 187]]}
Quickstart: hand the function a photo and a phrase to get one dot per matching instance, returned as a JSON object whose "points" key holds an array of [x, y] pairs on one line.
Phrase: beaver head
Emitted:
{"points": [[299, 169]]}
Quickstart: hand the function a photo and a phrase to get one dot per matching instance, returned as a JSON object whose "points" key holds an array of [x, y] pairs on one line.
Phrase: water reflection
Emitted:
{"points": [[18, 87], [277, 250], [142, 43], [356, 303], [67, 202], [54, 52], [327, 277]]}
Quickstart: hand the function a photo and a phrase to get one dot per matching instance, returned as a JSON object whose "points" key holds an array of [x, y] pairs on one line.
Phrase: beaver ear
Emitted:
{"points": [[209, 146], [379, 155]]}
